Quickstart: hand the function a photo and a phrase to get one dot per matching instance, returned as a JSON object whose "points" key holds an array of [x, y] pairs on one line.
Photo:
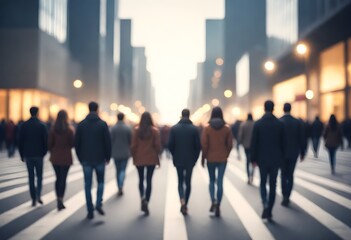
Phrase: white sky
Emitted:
{"points": [[173, 33]]}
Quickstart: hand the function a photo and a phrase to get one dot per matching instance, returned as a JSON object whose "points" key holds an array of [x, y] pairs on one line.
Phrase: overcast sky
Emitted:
{"points": [[173, 32]]}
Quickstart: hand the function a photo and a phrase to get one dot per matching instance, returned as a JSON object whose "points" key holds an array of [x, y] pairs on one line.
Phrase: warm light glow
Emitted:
{"points": [[228, 93], [269, 66], [78, 83], [309, 94], [301, 49], [215, 102], [219, 61], [141, 110], [137, 103], [236, 111], [113, 106], [206, 107], [217, 74], [54, 109]]}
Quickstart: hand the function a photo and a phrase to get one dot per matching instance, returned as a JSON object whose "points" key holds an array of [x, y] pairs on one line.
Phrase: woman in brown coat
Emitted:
{"points": [[146, 147], [61, 141], [216, 141]]}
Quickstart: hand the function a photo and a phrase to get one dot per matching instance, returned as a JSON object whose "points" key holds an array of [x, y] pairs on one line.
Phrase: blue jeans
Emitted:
{"points": [[184, 176], [220, 174], [270, 172], [37, 164], [121, 165], [88, 178], [315, 145], [332, 154]]}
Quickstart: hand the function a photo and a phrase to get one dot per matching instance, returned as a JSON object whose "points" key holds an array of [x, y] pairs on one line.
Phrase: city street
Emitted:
{"points": [[320, 208]]}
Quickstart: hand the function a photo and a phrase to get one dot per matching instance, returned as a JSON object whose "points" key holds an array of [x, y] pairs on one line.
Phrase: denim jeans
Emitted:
{"points": [[315, 145], [184, 176], [270, 172], [37, 164], [287, 177], [149, 173], [219, 179], [88, 178], [332, 154], [61, 176], [121, 165]]}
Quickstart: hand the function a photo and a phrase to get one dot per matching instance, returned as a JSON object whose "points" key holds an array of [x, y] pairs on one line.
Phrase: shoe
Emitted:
{"points": [[265, 213], [144, 206], [270, 216], [100, 210], [120, 193], [217, 211], [40, 201], [60, 205], [285, 203], [184, 209], [34, 203], [90, 215], [213, 206]]}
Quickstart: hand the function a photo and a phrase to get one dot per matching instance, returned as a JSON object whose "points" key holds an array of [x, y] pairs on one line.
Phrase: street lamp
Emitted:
{"points": [[215, 102], [302, 49], [269, 66], [228, 93], [309, 94], [78, 83], [219, 61], [113, 106]]}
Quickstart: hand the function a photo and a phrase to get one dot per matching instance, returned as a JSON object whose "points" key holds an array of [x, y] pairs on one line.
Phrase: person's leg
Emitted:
{"points": [[284, 180], [122, 173], [211, 172], [248, 172], [180, 173], [141, 181], [263, 190], [39, 162], [117, 165], [188, 174], [221, 170], [332, 153], [30, 169], [315, 145], [88, 175], [65, 170], [273, 173], [291, 170], [100, 177], [57, 182], [149, 174]]}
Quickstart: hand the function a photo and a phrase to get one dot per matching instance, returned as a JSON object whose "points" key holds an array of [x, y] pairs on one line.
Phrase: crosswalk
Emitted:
{"points": [[321, 205]]}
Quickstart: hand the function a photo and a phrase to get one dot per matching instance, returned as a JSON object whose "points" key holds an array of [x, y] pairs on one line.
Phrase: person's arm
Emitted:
{"points": [[204, 144], [51, 141], [303, 141], [21, 135], [254, 144], [107, 145], [45, 139], [197, 144], [171, 141], [77, 142], [229, 142]]}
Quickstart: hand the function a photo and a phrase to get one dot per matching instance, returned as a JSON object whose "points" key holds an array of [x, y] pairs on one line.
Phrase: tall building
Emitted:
{"points": [[36, 67]]}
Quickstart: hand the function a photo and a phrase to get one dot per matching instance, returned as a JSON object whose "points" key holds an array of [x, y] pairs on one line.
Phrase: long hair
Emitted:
{"points": [[333, 123], [216, 113], [61, 124], [145, 126]]}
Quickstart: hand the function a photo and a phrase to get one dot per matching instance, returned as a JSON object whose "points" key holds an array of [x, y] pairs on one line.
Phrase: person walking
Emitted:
{"points": [[184, 145], [346, 130], [267, 151], [93, 149], [294, 145], [10, 137], [61, 142], [217, 142], [146, 147], [2, 133], [235, 132], [244, 138], [316, 132], [333, 140], [121, 138], [33, 146]]}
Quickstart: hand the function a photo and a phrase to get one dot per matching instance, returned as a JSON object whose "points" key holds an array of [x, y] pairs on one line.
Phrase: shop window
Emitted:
{"points": [[333, 103], [349, 61], [15, 106], [3, 104], [332, 68]]}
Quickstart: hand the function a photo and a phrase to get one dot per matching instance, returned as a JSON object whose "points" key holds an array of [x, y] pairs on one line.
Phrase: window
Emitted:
{"points": [[333, 103]]}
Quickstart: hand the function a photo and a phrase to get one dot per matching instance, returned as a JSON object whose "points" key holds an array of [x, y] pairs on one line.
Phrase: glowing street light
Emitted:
{"points": [[228, 93], [219, 61], [236, 111], [137, 103], [113, 106], [78, 83], [215, 102], [301, 49], [269, 66], [309, 94]]}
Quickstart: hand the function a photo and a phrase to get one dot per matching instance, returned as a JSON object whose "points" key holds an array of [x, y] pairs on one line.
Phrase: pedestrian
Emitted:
{"points": [[184, 145], [294, 146], [93, 148], [164, 140], [235, 132], [146, 147], [346, 130], [33, 146], [217, 142], [244, 137], [121, 138], [61, 142], [267, 151], [10, 138], [333, 140], [2, 133], [316, 132]]}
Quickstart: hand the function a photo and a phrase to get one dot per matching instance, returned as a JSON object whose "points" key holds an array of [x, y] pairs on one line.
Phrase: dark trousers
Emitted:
{"points": [[149, 173], [61, 176], [121, 165], [315, 145], [35, 167], [10, 149], [249, 168], [184, 177], [287, 177], [88, 179], [332, 157], [270, 172]]}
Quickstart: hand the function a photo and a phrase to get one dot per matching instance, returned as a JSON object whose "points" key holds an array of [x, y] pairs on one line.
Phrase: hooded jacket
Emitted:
{"points": [[92, 141], [216, 141]]}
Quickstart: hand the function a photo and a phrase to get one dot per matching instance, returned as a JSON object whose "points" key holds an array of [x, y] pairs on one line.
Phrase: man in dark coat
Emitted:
{"points": [[93, 148], [267, 149], [346, 131], [33, 145], [294, 145], [184, 145], [316, 132]]}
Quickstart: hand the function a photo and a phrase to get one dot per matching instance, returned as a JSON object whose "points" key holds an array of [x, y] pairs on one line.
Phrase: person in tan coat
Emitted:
{"points": [[145, 148], [60, 143], [216, 141]]}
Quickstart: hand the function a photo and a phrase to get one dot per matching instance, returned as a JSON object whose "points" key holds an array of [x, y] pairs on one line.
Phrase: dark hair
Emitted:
{"points": [[333, 123], [268, 106], [287, 107], [249, 117], [317, 117], [120, 116], [93, 107], [34, 111], [61, 124], [145, 126], [185, 113], [217, 113]]}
